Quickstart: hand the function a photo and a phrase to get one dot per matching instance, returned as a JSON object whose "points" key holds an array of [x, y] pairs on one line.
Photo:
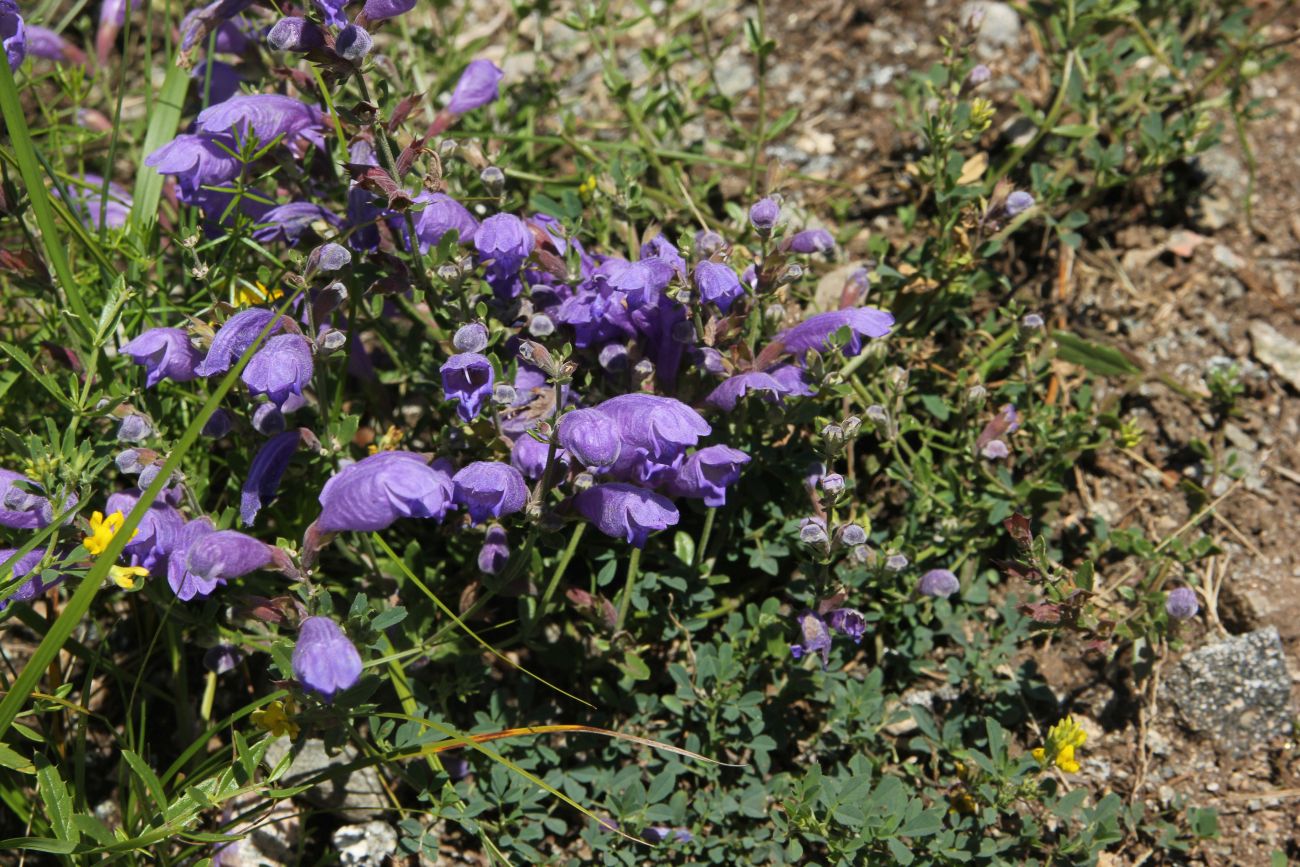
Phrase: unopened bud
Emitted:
{"points": [[495, 181], [504, 394], [833, 483]]}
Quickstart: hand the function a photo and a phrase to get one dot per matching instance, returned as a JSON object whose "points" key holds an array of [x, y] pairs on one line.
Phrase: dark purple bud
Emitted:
{"points": [[995, 450], [1018, 202], [495, 181], [763, 216], [815, 331], [378, 10], [478, 86], [495, 553], [708, 473], [134, 428], [613, 357], [1181, 604], [591, 436], [471, 338], [324, 661], [849, 622], [938, 582], [218, 424], [266, 115], [221, 658], [353, 43], [13, 34], [662, 427], [184, 583], [264, 475], [328, 258], [814, 637], [626, 511], [332, 12], [165, 353], [978, 75], [467, 377], [157, 534], [810, 241], [718, 284], [442, 214], [233, 339], [150, 473], [731, 390], [295, 34], [226, 554], [489, 489], [376, 491], [529, 456], [812, 531], [280, 369], [896, 562]]}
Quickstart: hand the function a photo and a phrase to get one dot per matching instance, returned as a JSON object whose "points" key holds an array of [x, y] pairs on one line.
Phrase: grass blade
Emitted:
{"points": [[164, 120]]}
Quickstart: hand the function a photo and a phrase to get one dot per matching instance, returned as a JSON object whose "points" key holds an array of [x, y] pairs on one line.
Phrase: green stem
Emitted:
{"points": [[633, 568], [560, 568], [704, 539]]}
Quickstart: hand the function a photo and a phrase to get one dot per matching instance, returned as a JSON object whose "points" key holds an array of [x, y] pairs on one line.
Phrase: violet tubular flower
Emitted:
{"points": [[374, 492], [233, 339], [184, 583], [814, 637], [21, 509], [442, 214], [478, 86], [504, 240], [290, 221], [626, 511], [13, 34], [280, 369], [378, 10], [157, 534], [324, 660], [707, 474], [298, 35], [224, 555], [848, 622], [810, 241], [729, 392], [268, 467], [265, 115], [763, 216], [661, 427], [467, 378], [591, 436], [718, 284], [939, 583], [33, 584], [529, 456], [87, 203], [165, 353], [814, 332], [489, 489]]}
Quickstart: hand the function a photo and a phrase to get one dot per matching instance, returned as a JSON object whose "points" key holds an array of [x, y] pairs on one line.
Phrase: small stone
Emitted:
{"points": [[1228, 259], [365, 845], [358, 795], [1001, 24], [1183, 243], [1279, 353]]}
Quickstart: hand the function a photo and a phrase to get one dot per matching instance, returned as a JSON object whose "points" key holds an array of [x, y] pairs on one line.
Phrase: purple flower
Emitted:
{"points": [[659, 247], [324, 661], [708, 473], [660, 833], [134, 428], [295, 34], [938, 582], [718, 284], [979, 74], [289, 221], [216, 80], [218, 424], [441, 215], [591, 436], [626, 511], [478, 86], [1007, 421], [814, 332], [231, 38], [792, 379], [489, 489], [165, 353], [994, 450], [268, 467], [896, 562], [1181, 604], [353, 43], [226, 554], [662, 427], [34, 586], [814, 637], [707, 242], [731, 390], [266, 115], [810, 241], [280, 368], [233, 339], [376, 491], [158, 533], [13, 34], [763, 216], [848, 621], [327, 258], [529, 456], [1018, 202], [1032, 320], [42, 42], [378, 10], [467, 378], [184, 583], [504, 239], [85, 198], [641, 282], [495, 553], [221, 658], [471, 338], [332, 12], [268, 419]]}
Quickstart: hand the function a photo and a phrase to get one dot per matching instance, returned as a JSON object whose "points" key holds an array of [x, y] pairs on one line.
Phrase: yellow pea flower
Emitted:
{"points": [[587, 188], [247, 296], [102, 531], [124, 576], [274, 718], [1062, 740]]}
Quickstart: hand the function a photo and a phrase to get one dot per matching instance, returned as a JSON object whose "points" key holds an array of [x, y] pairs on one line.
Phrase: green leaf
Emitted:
{"points": [[164, 120], [16, 761], [635, 667], [391, 617], [38, 844], [923, 824], [1101, 360], [684, 547], [147, 776], [58, 803]]}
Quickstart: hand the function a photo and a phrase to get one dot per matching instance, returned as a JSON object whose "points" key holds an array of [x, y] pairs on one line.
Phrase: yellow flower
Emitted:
{"points": [[1062, 740], [391, 439], [587, 188], [102, 531], [274, 718], [124, 576], [246, 296]]}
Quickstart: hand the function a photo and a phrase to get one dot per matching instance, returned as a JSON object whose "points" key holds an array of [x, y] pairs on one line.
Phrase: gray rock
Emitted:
{"points": [[1224, 255], [734, 74], [365, 845], [1236, 692], [356, 795], [1001, 25], [1279, 353]]}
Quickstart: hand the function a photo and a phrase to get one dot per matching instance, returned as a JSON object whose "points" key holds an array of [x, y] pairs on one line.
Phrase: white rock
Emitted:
{"points": [[365, 845], [1279, 353]]}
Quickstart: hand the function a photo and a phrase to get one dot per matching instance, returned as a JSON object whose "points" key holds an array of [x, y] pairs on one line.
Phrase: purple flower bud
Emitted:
{"points": [[815, 331], [266, 115], [134, 428], [478, 86], [660, 833], [375, 491], [280, 369], [1181, 604], [328, 258], [810, 241], [661, 427], [938, 582], [592, 437], [20, 509], [613, 357], [221, 658], [268, 420], [149, 475], [295, 34], [165, 353], [157, 534], [324, 661], [132, 461], [442, 214], [268, 467], [1018, 202], [852, 535], [233, 339], [378, 10], [217, 425], [505, 241], [994, 450], [42, 42], [978, 75], [812, 531], [626, 511], [353, 43], [718, 284], [1032, 321], [467, 378], [896, 562], [849, 622], [184, 583], [707, 242], [226, 554], [814, 637], [13, 34], [731, 390], [832, 483], [529, 456], [290, 221], [763, 216], [471, 338], [708, 473], [489, 489], [495, 553]]}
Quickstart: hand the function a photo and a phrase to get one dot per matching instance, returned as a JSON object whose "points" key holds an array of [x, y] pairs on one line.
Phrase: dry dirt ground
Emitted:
{"points": [[1182, 296]]}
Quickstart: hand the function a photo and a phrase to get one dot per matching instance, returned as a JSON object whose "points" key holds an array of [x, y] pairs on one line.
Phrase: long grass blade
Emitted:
{"points": [[164, 120]]}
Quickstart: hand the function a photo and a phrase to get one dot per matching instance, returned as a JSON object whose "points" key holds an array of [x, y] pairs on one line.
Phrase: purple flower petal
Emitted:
{"points": [[478, 86], [324, 661], [489, 489], [376, 491], [165, 353], [264, 475], [626, 511]]}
